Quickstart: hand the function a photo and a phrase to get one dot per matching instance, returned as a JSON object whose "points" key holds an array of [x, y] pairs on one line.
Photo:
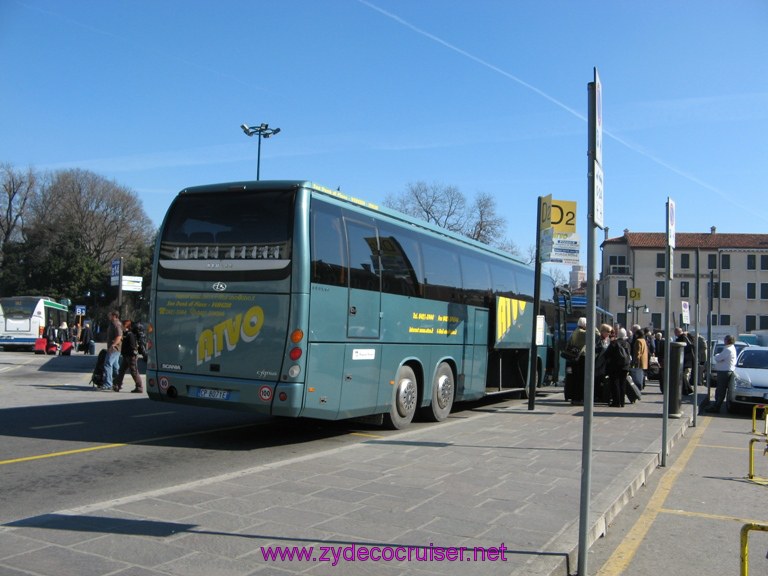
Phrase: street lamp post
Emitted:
{"points": [[262, 131], [633, 308]]}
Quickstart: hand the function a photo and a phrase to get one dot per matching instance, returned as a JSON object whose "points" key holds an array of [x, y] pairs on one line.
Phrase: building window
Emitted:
{"points": [[684, 289], [685, 261], [725, 290], [714, 319], [751, 262], [725, 319], [763, 322], [712, 261], [763, 262], [725, 261], [621, 318], [715, 289], [660, 289], [751, 291], [656, 319], [751, 322], [763, 290], [661, 260]]}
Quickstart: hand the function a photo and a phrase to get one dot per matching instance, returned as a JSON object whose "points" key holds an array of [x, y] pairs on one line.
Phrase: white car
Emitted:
{"points": [[749, 385]]}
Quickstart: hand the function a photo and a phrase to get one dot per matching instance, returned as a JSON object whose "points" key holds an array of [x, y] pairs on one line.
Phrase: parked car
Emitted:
{"points": [[717, 347], [749, 385]]}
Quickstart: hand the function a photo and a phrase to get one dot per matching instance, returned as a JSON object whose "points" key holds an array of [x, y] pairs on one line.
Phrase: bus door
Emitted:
{"points": [[362, 355], [364, 310]]}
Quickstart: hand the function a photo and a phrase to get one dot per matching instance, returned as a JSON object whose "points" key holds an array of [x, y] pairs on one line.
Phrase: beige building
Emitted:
{"points": [[633, 280]]}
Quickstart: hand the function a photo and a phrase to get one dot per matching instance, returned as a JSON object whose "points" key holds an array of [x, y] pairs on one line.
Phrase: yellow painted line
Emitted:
{"points": [[144, 441], [723, 447], [710, 516], [153, 414], [623, 555], [62, 425], [57, 454]]}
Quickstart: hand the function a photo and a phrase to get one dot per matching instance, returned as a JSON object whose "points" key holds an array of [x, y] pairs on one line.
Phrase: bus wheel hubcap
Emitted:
{"points": [[406, 397], [444, 391]]}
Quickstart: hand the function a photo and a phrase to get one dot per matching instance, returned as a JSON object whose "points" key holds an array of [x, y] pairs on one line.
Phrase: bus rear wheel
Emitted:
{"points": [[443, 388], [405, 400]]}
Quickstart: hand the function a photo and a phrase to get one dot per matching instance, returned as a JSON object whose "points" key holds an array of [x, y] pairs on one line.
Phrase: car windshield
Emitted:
{"points": [[753, 359]]}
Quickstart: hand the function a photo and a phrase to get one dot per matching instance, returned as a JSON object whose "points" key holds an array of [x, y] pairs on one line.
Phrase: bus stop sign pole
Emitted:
{"points": [[533, 377]]}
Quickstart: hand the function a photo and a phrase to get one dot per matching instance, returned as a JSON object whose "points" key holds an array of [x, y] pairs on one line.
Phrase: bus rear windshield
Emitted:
{"points": [[243, 236]]}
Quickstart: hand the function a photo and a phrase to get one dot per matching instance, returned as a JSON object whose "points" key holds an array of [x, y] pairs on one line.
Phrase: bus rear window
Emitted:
{"points": [[243, 232]]}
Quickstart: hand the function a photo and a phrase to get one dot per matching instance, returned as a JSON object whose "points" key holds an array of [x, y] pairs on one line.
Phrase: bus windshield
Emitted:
{"points": [[243, 236], [19, 307]]}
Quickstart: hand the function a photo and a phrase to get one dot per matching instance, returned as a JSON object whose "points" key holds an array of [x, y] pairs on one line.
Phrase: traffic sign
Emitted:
{"points": [[79, 310], [114, 277], [635, 294], [132, 283]]}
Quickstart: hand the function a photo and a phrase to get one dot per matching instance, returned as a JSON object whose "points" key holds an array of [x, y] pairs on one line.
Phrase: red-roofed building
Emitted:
{"points": [[633, 279]]}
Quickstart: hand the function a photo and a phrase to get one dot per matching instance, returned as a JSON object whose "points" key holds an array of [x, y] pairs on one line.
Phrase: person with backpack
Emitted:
{"points": [[114, 345], [141, 338], [619, 362], [129, 351]]}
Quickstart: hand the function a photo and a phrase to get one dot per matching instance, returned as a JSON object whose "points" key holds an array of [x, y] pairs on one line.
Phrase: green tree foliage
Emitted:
{"points": [[73, 224]]}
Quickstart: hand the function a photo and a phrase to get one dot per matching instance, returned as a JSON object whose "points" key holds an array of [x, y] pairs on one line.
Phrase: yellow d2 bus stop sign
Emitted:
{"points": [[560, 215]]}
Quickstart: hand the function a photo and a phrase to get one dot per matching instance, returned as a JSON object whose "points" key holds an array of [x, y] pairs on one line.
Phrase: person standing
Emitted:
{"points": [[114, 344], [725, 364], [86, 335], [130, 353], [640, 353], [619, 362], [578, 341]]}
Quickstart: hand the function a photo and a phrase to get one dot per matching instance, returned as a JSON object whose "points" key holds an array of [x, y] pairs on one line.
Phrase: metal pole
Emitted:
{"points": [[589, 364], [696, 351], [532, 375], [258, 159]]}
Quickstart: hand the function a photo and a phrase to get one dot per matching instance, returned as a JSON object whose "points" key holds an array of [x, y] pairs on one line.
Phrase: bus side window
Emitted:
{"points": [[400, 262], [442, 277], [364, 267], [476, 278], [328, 248]]}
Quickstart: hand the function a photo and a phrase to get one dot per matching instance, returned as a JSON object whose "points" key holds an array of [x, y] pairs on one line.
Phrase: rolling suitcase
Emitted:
{"points": [[632, 391], [66, 349], [97, 378]]}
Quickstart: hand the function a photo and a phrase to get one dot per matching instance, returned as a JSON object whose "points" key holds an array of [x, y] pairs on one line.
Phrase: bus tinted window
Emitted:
{"points": [[503, 279], [328, 246], [401, 261], [476, 275], [363, 255], [442, 277], [250, 231]]}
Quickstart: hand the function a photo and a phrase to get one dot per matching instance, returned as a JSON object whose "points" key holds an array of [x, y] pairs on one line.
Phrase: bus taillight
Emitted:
{"points": [[295, 353]]}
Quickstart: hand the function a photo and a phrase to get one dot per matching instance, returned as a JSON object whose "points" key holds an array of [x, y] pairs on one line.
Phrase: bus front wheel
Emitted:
{"points": [[443, 388], [405, 400]]}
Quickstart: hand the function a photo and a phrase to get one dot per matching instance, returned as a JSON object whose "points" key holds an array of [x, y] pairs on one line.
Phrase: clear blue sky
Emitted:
{"points": [[371, 95]]}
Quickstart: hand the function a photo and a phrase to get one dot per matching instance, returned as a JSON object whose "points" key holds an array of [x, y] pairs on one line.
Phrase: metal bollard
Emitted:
{"points": [[675, 385], [751, 476], [755, 408], [745, 530]]}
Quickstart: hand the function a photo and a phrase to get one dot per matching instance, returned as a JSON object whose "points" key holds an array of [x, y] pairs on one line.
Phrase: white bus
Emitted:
{"points": [[23, 319]]}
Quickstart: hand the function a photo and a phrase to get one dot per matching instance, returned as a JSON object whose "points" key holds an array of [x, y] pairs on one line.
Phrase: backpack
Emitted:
{"points": [[623, 356], [141, 338]]}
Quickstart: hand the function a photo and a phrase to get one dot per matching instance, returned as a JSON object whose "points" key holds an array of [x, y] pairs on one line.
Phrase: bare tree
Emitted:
{"points": [[19, 189], [107, 218], [435, 203], [447, 207]]}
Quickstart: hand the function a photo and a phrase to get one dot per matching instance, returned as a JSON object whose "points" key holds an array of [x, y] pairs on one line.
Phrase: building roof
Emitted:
{"points": [[690, 240]]}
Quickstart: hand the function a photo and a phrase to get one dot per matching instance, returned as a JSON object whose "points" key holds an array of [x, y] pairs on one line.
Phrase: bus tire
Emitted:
{"points": [[404, 401], [443, 389]]}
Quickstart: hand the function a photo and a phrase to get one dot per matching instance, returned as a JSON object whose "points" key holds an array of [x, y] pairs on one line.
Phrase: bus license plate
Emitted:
{"points": [[213, 394]]}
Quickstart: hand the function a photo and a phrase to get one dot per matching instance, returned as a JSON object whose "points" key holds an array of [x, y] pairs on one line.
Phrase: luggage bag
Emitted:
{"points": [[632, 391], [97, 378]]}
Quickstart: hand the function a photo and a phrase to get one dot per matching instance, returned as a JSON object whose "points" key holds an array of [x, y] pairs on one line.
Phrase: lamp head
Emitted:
{"points": [[246, 129]]}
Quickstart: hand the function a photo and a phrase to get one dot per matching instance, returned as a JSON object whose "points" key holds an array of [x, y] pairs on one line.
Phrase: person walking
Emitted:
{"points": [[130, 352], [114, 345], [725, 364]]}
